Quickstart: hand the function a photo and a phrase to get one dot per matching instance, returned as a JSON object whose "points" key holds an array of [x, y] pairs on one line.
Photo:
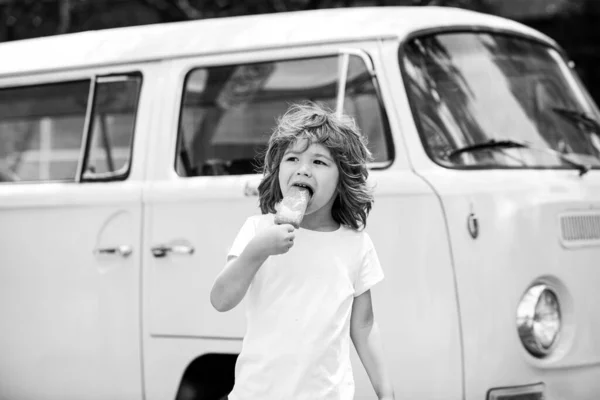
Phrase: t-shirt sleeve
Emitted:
{"points": [[370, 272], [246, 233]]}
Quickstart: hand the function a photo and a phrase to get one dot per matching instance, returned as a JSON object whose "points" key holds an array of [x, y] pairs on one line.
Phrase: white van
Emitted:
{"points": [[128, 161]]}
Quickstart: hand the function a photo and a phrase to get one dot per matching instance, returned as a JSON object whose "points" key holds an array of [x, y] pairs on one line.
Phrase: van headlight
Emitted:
{"points": [[538, 319]]}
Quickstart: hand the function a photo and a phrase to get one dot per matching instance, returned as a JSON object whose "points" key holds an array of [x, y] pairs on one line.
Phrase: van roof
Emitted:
{"points": [[222, 35]]}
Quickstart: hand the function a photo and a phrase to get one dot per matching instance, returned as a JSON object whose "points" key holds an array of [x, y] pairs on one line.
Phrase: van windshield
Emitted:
{"points": [[471, 88]]}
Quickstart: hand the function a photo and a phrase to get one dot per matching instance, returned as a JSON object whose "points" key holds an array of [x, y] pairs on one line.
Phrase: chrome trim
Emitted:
{"points": [[343, 63], [125, 169], [527, 319], [87, 126], [113, 78], [123, 250], [88, 176], [517, 392], [363, 55], [163, 250]]}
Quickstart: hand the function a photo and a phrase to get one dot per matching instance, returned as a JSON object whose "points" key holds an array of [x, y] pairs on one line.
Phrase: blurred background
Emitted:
{"points": [[572, 23]]}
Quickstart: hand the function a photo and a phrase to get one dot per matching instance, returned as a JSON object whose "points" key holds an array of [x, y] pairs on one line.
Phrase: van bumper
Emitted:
{"points": [[582, 383], [528, 392]]}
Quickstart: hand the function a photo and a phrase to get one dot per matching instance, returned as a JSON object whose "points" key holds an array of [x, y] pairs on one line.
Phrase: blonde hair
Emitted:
{"points": [[347, 146]]}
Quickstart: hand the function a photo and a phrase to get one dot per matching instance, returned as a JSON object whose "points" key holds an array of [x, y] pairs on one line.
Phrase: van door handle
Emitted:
{"points": [[162, 250], [123, 250]]}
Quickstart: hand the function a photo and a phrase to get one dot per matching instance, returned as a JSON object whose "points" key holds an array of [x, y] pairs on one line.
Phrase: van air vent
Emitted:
{"points": [[580, 229]]}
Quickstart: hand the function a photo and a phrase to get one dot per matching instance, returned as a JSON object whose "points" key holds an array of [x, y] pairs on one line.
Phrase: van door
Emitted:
{"points": [[70, 212], [519, 217], [204, 185]]}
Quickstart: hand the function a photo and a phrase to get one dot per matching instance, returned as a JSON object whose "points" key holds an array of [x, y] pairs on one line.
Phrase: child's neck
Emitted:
{"points": [[317, 222]]}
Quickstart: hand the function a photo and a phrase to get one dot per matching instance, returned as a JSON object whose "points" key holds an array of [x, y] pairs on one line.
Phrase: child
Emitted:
{"points": [[307, 289]]}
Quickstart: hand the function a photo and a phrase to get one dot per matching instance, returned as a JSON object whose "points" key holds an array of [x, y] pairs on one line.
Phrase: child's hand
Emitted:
{"points": [[276, 239]]}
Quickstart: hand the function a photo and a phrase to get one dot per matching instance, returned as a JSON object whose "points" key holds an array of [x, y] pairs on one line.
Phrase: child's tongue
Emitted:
{"points": [[303, 189]]}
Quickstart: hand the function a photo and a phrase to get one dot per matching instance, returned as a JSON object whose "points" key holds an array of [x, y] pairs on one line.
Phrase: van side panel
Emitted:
{"points": [[415, 305], [519, 243], [70, 317]]}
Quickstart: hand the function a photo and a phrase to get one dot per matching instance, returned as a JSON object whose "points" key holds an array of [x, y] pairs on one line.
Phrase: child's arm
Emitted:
{"points": [[364, 332], [231, 285]]}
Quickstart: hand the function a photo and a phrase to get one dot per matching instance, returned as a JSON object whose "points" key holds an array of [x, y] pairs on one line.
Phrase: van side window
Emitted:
{"points": [[111, 127], [228, 112], [41, 130], [44, 130]]}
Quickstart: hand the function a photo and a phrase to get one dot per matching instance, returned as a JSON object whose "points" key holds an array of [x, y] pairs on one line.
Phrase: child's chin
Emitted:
{"points": [[309, 211]]}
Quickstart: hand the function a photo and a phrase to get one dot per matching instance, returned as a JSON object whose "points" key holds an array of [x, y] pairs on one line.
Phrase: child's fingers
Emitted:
{"points": [[289, 240], [289, 227]]}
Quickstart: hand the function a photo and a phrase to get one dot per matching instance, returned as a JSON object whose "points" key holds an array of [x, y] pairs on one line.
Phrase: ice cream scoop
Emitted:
{"points": [[293, 206]]}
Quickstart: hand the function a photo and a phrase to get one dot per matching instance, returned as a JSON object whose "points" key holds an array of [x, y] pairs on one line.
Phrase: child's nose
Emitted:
{"points": [[303, 169]]}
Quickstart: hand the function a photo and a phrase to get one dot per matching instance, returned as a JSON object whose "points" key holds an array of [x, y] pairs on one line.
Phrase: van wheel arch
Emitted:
{"points": [[208, 377]]}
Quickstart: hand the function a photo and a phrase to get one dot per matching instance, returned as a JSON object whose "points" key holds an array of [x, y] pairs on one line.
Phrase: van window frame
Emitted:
{"points": [[86, 145], [349, 49], [481, 29], [86, 134]]}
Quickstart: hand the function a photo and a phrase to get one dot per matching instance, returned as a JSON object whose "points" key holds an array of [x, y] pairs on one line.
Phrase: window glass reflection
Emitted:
{"points": [[41, 130], [229, 112], [469, 88]]}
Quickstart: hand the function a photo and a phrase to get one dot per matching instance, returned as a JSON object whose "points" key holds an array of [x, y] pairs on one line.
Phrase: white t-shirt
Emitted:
{"points": [[297, 342]]}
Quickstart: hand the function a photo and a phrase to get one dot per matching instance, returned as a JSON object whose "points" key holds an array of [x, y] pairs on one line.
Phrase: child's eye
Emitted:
{"points": [[320, 162], [291, 158]]}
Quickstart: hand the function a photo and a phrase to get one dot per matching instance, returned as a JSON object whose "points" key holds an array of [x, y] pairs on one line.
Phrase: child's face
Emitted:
{"points": [[313, 167]]}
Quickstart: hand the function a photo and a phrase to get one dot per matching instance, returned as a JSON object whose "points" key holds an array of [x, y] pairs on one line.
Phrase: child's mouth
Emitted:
{"points": [[305, 187]]}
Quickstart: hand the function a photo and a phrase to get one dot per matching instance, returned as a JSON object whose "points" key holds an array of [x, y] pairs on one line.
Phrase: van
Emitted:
{"points": [[129, 157]]}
